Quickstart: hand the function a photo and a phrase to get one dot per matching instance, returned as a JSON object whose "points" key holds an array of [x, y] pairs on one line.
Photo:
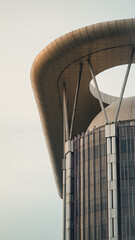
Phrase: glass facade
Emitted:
{"points": [[126, 183], [90, 184]]}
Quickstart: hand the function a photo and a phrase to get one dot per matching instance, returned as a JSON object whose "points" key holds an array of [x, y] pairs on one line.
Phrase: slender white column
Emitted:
{"points": [[75, 100], [110, 133], [65, 138], [69, 191], [67, 175], [99, 94], [124, 84]]}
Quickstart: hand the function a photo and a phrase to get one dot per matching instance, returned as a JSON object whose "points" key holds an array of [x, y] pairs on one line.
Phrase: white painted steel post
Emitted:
{"points": [[99, 94], [69, 193], [75, 100], [65, 137], [124, 84], [67, 175], [110, 134]]}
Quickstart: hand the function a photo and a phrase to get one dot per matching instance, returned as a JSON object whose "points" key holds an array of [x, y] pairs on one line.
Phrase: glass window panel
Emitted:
{"points": [[96, 151], [92, 233], [97, 177], [129, 130], [123, 146], [133, 226], [86, 233], [97, 165], [98, 232], [104, 232], [132, 172], [103, 149], [103, 176], [91, 205], [122, 131]]}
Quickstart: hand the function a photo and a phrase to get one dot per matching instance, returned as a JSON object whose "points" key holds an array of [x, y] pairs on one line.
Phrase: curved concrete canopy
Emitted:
{"points": [[108, 44]]}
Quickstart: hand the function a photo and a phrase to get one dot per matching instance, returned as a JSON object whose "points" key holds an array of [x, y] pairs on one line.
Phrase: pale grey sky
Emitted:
{"points": [[30, 208]]}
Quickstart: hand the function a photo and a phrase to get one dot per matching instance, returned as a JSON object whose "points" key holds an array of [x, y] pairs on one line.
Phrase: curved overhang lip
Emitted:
{"points": [[108, 44]]}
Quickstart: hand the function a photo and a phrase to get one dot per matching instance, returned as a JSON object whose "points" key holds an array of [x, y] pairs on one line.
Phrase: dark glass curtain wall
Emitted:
{"points": [[90, 186], [126, 185]]}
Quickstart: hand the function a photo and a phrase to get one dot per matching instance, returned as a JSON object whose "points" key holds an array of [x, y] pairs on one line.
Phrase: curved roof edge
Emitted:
{"points": [[108, 44]]}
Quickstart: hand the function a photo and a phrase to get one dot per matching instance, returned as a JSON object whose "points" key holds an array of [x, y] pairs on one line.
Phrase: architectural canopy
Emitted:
{"points": [[107, 44]]}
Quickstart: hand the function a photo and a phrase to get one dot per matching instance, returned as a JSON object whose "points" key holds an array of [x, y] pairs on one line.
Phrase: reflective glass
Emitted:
{"points": [[91, 201]]}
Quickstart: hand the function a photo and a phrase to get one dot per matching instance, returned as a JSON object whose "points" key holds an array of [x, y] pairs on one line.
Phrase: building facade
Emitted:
{"points": [[90, 135], [91, 191]]}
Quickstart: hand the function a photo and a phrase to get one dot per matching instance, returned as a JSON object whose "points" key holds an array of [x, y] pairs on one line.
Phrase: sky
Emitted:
{"points": [[30, 207]]}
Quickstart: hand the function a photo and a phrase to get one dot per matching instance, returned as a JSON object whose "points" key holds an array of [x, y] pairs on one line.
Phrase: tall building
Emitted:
{"points": [[90, 135]]}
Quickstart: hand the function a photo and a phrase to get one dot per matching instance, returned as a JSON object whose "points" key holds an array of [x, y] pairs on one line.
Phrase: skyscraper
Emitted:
{"points": [[92, 152]]}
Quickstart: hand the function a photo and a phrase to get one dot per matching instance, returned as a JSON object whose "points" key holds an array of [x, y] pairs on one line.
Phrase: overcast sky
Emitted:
{"points": [[30, 208]]}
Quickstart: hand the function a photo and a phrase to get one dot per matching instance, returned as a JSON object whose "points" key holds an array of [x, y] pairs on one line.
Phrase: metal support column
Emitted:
{"points": [[96, 86], [110, 134], [67, 175], [65, 137], [69, 190], [65, 116], [124, 83], [75, 100], [68, 199]]}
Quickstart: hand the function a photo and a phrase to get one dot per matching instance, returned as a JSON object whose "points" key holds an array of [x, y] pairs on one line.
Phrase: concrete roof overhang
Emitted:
{"points": [[108, 44]]}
